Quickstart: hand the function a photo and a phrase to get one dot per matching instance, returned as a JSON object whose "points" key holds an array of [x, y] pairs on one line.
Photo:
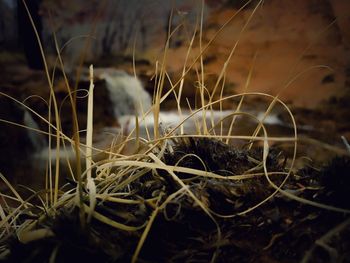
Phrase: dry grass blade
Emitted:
{"points": [[91, 187], [144, 235], [111, 222]]}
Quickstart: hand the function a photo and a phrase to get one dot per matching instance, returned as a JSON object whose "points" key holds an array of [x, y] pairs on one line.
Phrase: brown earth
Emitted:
{"points": [[288, 38]]}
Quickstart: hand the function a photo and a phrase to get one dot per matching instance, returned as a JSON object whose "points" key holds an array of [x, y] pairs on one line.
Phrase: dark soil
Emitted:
{"points": [[281, 230]]}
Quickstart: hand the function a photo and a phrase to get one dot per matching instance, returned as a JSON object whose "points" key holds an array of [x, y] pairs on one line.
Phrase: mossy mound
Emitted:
{"points": [[280, 230]]}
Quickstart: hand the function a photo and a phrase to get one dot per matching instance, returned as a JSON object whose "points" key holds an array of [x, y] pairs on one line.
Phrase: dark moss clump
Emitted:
{"points": [[71, 243], [220, 158], [335, 178], [280, 230]]}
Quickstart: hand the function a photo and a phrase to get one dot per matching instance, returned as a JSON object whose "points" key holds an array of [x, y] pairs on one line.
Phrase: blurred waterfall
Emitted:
{"points": [[126, 93], [38, 142]]}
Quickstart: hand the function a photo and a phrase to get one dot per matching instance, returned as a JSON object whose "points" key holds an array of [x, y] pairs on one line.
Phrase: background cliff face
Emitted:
{"points": [[8, 24], [288, 37], [301, 50]]}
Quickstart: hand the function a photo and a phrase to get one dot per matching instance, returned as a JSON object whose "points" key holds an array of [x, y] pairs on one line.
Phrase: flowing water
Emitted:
{"points": [[126, 93], [130, 99], [37, 141]]}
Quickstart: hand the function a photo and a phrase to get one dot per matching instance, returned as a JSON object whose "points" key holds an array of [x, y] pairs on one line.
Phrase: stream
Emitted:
{"points": [[130, 99]]}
